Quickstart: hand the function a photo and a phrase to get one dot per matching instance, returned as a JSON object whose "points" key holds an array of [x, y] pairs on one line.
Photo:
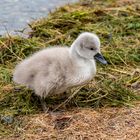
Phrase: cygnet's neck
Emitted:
{"points": [[72, 51], [74, 55]]}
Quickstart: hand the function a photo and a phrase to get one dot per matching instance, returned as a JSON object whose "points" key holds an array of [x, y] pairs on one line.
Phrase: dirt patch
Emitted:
{"points": [[82, 124]]}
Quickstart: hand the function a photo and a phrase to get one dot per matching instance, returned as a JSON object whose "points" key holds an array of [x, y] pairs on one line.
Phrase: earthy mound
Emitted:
{"points": [[118, 25]]}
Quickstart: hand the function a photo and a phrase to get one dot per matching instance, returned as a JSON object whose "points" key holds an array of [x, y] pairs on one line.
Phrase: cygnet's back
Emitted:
{"points": [[53, 70]]}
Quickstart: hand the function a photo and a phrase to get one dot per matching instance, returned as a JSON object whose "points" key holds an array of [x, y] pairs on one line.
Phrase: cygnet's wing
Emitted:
{"points": [[50, 81], [48, 63]]}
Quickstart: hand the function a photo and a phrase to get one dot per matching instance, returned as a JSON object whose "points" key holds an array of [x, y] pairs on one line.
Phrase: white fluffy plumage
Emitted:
{"points": [[54, 70]]}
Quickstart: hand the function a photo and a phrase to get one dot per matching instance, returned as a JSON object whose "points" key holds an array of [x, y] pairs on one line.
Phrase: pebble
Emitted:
{"points": [[7, 119]]}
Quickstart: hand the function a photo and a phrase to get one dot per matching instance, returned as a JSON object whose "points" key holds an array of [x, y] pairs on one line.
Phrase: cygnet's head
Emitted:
{"points": [[87, 45]]}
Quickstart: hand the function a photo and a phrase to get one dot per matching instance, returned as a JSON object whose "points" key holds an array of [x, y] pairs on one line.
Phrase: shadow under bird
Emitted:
{"points": [[53, 70]]}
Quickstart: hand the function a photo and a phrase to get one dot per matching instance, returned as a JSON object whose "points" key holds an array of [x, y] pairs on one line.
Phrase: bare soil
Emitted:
{"points": [[82, 124]]}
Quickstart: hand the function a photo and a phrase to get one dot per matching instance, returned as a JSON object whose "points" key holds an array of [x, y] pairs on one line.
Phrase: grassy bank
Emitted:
{"points": [[117, 84]]}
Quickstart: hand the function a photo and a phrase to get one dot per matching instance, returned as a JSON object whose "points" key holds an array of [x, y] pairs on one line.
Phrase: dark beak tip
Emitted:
{"points": [[105, 62], [100, 58]]}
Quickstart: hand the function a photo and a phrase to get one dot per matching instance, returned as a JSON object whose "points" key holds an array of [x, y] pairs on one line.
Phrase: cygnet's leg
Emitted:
{"points": [[44, 105], [42, 90]]}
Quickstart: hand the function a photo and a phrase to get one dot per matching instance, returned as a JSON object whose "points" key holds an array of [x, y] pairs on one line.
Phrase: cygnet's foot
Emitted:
{"points": [[44, 105]]}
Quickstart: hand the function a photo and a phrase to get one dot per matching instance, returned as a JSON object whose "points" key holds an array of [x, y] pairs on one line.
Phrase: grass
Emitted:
{"points": [[116, 84]]}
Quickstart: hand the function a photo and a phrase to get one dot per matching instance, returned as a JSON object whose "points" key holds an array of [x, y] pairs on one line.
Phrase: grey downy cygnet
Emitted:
{"points": [[54, 70]]}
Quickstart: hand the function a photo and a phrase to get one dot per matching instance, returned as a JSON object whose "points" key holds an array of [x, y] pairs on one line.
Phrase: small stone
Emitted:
{"points": [[7, 119]]}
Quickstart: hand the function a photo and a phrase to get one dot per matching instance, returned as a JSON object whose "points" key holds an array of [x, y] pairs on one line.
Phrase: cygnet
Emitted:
{"points": [[54, 70]]}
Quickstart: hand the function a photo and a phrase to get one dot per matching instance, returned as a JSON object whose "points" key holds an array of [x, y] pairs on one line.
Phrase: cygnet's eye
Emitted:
{"points": [[92, 49]]}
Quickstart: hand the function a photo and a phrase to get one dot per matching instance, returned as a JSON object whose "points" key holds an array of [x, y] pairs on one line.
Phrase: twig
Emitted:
{"points": [[94, 93], [69, 98], [120, 71], [94, 98]]}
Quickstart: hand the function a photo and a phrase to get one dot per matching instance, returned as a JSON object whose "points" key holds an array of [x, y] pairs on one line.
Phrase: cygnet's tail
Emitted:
{"points": [[23, 74]]}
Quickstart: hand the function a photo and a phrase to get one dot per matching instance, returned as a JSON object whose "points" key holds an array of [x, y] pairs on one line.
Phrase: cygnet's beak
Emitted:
{"points": [[100, 58]]}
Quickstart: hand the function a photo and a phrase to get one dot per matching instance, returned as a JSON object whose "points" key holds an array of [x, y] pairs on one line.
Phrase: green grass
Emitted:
{"points": [[119, 31]]}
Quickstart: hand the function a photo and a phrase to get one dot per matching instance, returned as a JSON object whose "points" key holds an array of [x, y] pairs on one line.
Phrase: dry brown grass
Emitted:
{"points": [[81, 124]]}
